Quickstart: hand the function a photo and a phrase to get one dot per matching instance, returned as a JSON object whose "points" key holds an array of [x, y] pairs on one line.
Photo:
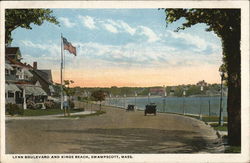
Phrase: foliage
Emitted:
{"points": [[30, 104], [14, 109], [98, 95], [207, 118], [69, 91], [71, 104], [233, 149], [216, 126], [57, 88], [52, 105], [41, 112], [225, 23], [23, 18]]}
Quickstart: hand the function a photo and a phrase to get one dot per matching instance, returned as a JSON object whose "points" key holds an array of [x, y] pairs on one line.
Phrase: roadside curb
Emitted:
{"points": [[46, 117]]}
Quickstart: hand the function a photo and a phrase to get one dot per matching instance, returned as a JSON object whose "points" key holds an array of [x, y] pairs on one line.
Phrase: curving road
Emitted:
{"points": [[116, 131]]}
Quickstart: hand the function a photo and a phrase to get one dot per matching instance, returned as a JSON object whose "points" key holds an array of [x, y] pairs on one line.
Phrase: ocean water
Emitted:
{"points": [[188, 105]]}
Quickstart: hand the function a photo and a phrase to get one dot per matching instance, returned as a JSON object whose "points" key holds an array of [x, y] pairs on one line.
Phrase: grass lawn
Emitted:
{"points": [[212, 119], [40, 112], [208, 119], [233, 149], [220, 128], [99, 112]]}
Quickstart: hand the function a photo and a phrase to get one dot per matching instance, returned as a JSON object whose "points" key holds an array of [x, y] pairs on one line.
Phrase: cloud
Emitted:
{"points": [[49, 50], [122, 26], [199, 43], [127, 28], [110, 28], [66, 22], [152, 36], [88, 21], [144, 55], [119, 26], [94, 55]]}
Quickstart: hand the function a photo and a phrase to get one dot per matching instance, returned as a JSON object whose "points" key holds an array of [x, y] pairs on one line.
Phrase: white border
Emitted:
{"points": [[244, 5]]}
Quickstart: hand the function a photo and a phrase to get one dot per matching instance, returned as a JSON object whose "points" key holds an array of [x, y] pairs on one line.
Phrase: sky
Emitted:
{"points": [[122, 47]]}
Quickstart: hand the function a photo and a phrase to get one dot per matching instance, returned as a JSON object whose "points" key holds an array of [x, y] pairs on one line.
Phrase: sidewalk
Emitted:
{"points": [[47, 117]]}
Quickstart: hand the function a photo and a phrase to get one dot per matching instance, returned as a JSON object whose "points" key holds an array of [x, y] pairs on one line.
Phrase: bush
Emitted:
{"points": [[52, 105], [38, 106], [48, 104], [30, 105], [71, 104], [14, 109]]}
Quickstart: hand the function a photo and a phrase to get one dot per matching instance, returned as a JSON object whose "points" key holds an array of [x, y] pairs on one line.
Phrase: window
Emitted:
{"points": [[10, 94], [7, 72]]}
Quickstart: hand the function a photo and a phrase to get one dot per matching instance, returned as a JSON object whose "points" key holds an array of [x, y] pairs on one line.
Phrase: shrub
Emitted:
{"points": [[48, 104], [38, 106], [30, 105], [71, 104], [57, 105], [52, 105], [14, 109]]}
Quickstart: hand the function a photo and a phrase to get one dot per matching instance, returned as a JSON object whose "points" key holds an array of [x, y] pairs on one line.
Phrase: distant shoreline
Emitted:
{"points": [[129, 97]]}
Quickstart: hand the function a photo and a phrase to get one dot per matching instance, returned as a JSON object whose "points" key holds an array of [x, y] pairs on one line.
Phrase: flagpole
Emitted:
{"points": [[61, 72]]}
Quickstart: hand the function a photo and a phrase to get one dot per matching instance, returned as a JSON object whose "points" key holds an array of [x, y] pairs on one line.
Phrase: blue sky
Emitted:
{"points": [[116, 43]]}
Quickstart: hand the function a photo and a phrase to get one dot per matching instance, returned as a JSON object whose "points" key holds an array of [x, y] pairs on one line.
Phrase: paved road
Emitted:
{"points": [[116, 131]]}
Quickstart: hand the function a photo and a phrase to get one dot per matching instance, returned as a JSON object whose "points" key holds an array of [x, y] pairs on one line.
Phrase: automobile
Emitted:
{"points": [[150, 109], [130, 108]]}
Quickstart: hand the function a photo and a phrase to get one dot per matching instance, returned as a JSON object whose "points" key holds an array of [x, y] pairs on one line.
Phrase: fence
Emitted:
{"points": [[209, 106]]}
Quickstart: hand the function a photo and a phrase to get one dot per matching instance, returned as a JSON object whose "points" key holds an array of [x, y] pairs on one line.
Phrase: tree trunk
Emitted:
{"points": [[231, 50]]}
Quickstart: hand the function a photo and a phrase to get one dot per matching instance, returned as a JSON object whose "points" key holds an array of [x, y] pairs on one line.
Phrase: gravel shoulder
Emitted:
{"points": [[117, 131]]}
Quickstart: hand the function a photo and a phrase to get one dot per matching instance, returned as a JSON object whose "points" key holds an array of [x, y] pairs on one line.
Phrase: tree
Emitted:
{"points": [[99, 96], [226, 25], [23, 18]]}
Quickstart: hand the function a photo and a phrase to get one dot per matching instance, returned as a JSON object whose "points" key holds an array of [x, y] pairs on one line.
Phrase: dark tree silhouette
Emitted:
{"points": [[23, 18], [226, 25], [99, 96]]}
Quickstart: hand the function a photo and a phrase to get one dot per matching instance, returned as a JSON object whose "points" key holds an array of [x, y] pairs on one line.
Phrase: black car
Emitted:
{"points": [[150, 109], [131, 108]]}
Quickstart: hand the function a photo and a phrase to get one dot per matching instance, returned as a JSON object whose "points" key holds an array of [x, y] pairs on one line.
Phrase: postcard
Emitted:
{"points": [[125, 81]]}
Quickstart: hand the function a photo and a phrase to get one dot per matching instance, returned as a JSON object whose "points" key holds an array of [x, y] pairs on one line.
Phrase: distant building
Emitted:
{"points": [[202, 83], [157, 91]]}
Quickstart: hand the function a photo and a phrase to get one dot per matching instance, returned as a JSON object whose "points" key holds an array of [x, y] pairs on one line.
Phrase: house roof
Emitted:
{"points": [[11, 50], [49, 74], [23, 82], [32, 89], [44, 76], [8, 66], [14, 62], [11, 88]]}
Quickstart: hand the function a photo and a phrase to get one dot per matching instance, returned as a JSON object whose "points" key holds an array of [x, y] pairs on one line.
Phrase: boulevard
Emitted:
{"points": [[116, 131]]}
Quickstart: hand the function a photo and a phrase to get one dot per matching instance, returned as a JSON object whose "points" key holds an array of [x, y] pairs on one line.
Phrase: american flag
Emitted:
{"points": [[68, 46]]}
